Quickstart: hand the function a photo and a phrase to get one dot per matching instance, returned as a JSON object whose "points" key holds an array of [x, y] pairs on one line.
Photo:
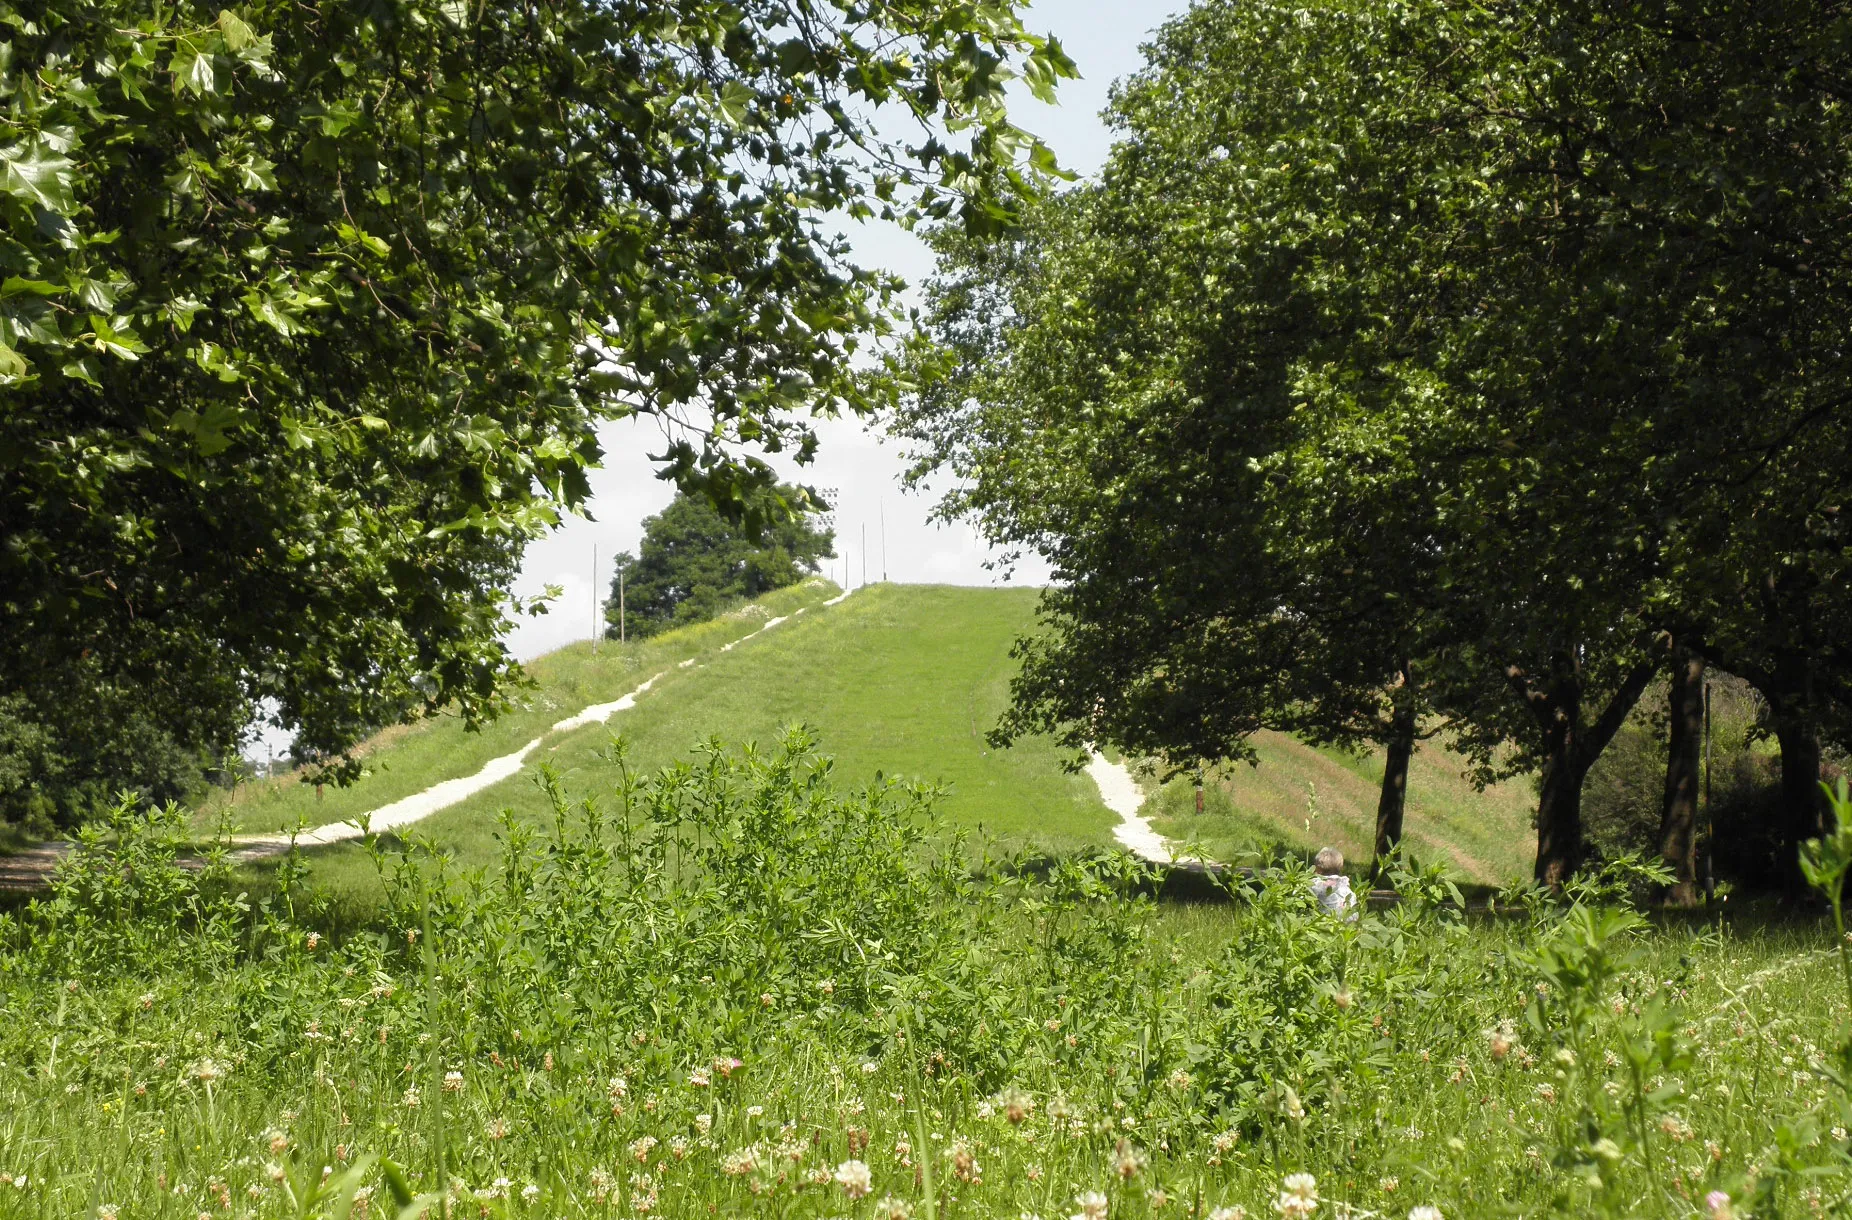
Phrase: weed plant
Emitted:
{"points": [[732, 988]]}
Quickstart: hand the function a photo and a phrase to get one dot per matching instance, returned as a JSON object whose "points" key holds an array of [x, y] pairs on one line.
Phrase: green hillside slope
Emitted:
{"points": [[903, 681], [1306, 798], [898, 680]]}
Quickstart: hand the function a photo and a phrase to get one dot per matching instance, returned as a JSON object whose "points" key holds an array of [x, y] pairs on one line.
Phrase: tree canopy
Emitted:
{"points": [[695, 563], [1417, 342], [307, 314]]}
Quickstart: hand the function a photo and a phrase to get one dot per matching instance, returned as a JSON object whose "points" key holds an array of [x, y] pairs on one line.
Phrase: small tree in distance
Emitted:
{"points": [[695, 563]]}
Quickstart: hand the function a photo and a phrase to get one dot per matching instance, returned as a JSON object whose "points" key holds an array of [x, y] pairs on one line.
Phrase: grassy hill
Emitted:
{"points": [[1304, 797], [902, 681]]}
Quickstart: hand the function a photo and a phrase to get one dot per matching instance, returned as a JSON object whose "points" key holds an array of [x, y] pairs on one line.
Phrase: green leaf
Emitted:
{"points": [[84, 368], [735, 103], [117, 340], [14, 285], [13, 366], [237, 34], [32, 172], [194, 72]]}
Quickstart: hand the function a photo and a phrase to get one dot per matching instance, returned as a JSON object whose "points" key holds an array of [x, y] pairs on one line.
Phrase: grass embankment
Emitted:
{"points": [[901, 682], [409, 758], [1303, 798]]}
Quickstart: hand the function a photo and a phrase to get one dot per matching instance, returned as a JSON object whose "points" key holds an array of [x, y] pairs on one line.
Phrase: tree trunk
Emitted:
{"points": [[1679, 815], [1393, 801], [1803, 804], [1570, 749], [1559, 798]]}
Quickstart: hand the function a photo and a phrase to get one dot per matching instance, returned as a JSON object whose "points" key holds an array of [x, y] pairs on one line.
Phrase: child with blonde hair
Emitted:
{"points": [[1331, 887]]}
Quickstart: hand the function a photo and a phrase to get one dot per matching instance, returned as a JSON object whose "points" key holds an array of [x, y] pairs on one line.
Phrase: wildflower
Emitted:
{"points": [[1298, 1197], [1157, 1197], [104, 1211], [1292, 1107], [1032, 1172], [1718, 1204], [1127, 1160], [639, 1037], [754, 1111], [546, 1062], [274, 1172], [147, 1000], [1838, 1133], [640, 1148], [903, 1151], [1427, 1211], [314, 941], [1388, 1185], [726, 1065], [1546, 1092], [206, 1071], [1053, 1024], [964, 1162], [699, 1078], [1092, 1206], [276, 1141], [1341, 998], [1015, 1104], [740, 1162], [618, 1087], [827, 986], [870, 1068], [890, 1208], [854, 1178], [498, 1129], [1232, 1212], [765, 998], [1178, 1079], [1676, 1127], [453, 1082], [411, 1098]]}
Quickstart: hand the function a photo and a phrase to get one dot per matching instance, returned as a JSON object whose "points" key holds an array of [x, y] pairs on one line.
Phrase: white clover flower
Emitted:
{"points": [[1232, 1212], [1427, 1211], [854, 1178], [1092, 1206]]}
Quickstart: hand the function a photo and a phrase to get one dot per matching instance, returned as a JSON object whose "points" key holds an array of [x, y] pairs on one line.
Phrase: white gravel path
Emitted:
{"points": [[439, 796], [1121, 794]]}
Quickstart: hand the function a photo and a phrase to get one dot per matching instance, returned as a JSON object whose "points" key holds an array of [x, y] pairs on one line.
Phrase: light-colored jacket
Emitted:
{"points": [[1334, 895]]}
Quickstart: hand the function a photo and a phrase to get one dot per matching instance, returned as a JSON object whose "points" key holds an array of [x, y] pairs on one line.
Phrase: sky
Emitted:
{"points": [[862, 466]]}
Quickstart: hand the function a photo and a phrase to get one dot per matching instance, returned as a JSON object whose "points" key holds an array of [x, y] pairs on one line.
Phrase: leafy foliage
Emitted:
{"points": [[1430, 378], [694, 562], [734, 987], [308, 313]]}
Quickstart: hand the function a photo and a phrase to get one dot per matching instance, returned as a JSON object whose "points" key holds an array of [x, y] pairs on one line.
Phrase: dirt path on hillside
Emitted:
{"points": [[32, 869], [1121, 794]]}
